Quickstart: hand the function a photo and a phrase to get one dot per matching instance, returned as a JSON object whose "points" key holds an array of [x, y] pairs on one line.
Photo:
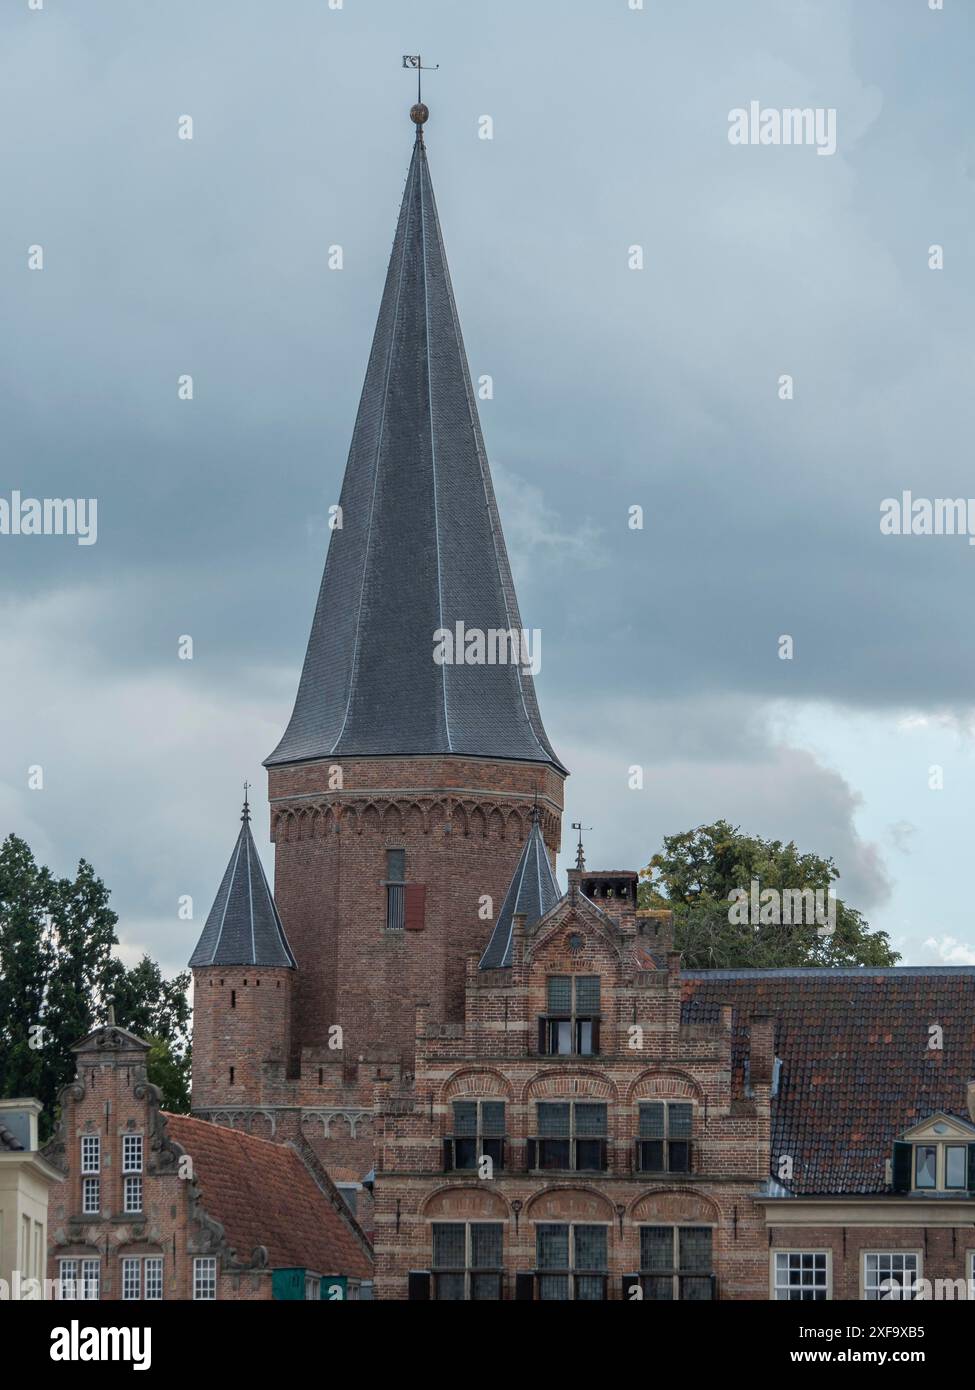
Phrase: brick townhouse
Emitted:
{"points": [[603, 1126], [553, 1110], [160, 1206]]}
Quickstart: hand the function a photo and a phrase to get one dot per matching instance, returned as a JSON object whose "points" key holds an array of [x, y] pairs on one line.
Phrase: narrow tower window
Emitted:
{"points": [[395, 889]]}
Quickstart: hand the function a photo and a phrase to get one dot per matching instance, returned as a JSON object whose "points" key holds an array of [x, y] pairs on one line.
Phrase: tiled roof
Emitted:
{"points": [[243, 927], [265, 1194], [856, 1067], [420, 547], [533, 891]]}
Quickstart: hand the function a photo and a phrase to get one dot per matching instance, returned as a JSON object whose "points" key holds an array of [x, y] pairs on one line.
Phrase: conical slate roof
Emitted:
{"points": [[243, 927], [420, 546], [534, 891]]}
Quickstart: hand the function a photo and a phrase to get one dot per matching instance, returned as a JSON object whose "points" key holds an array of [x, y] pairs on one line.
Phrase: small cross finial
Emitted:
{"points": [[246, 813], [535, 807], [580, 856]]}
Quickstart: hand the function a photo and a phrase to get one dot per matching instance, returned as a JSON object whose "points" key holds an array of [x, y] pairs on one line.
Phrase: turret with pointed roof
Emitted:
{"points": [[533, 892], [243, 927], [420, 547]]}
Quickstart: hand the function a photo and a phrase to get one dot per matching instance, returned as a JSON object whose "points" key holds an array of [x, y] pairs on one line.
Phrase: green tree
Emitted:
{"points": [[695, 875], [58, 974], [158, 1010]]}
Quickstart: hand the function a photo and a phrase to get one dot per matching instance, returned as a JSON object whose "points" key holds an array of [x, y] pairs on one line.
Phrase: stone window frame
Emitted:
{"points": [[482, 1139], [665, 1139], [468, 1271], [676, 1274], [572, 1272], [573, 1137], [576, 1018]]}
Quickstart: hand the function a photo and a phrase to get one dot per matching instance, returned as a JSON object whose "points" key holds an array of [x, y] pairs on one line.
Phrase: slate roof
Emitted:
{"points": [[243, 927], [265, 1194], [533, 891], [856, 1068], [420, 547]]}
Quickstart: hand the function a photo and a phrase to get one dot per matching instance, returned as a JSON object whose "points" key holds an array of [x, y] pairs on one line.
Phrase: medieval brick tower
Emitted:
{"points": [[405, 784]]}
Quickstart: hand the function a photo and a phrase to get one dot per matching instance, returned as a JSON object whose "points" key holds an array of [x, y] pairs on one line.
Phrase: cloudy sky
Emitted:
{"points": [[613, 387]]}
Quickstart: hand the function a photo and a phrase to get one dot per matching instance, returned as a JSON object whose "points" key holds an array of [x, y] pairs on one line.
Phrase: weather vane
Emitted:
{"points": [[580, 856], [415, 63]]}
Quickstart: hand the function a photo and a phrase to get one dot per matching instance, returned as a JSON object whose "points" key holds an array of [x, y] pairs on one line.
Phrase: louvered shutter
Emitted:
{"points": [[414, 917]]}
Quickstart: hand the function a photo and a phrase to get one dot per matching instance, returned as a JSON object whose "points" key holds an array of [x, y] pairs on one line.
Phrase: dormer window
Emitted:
{"points": [[937, 1156]]}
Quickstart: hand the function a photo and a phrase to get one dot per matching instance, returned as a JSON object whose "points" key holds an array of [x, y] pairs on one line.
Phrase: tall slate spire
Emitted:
{"points": [[533, 892], [243, 927], [420, 547]]}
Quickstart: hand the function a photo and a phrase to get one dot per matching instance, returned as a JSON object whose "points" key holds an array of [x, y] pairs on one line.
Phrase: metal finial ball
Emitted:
{"points": [[419, 113]]}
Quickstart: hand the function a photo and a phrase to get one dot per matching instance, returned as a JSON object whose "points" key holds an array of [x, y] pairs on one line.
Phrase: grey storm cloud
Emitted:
{"points": [[612, 388]]}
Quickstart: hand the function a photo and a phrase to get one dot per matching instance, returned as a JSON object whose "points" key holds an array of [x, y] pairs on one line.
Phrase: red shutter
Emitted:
{"points": [[415, 907]]}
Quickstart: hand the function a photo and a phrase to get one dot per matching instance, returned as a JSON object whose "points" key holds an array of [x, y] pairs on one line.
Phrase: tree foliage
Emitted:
{"points": [[698, 870], [59, 974]]}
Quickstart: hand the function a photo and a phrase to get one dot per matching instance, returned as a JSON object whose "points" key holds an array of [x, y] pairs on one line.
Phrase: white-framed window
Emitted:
{"points": [[131, 1278], [132, 1196], [91, 1196], [142, 1277], [800, 1275], [131, 1153], [205, 1277], [890, 1274], [312, 1287], [153, 1281], [91, 1153], [79, 1279]]}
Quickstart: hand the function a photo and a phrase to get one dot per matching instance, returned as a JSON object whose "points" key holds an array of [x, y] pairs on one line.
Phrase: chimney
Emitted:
{"points": [[613, 891], [655, 930], [761, 1051]]}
